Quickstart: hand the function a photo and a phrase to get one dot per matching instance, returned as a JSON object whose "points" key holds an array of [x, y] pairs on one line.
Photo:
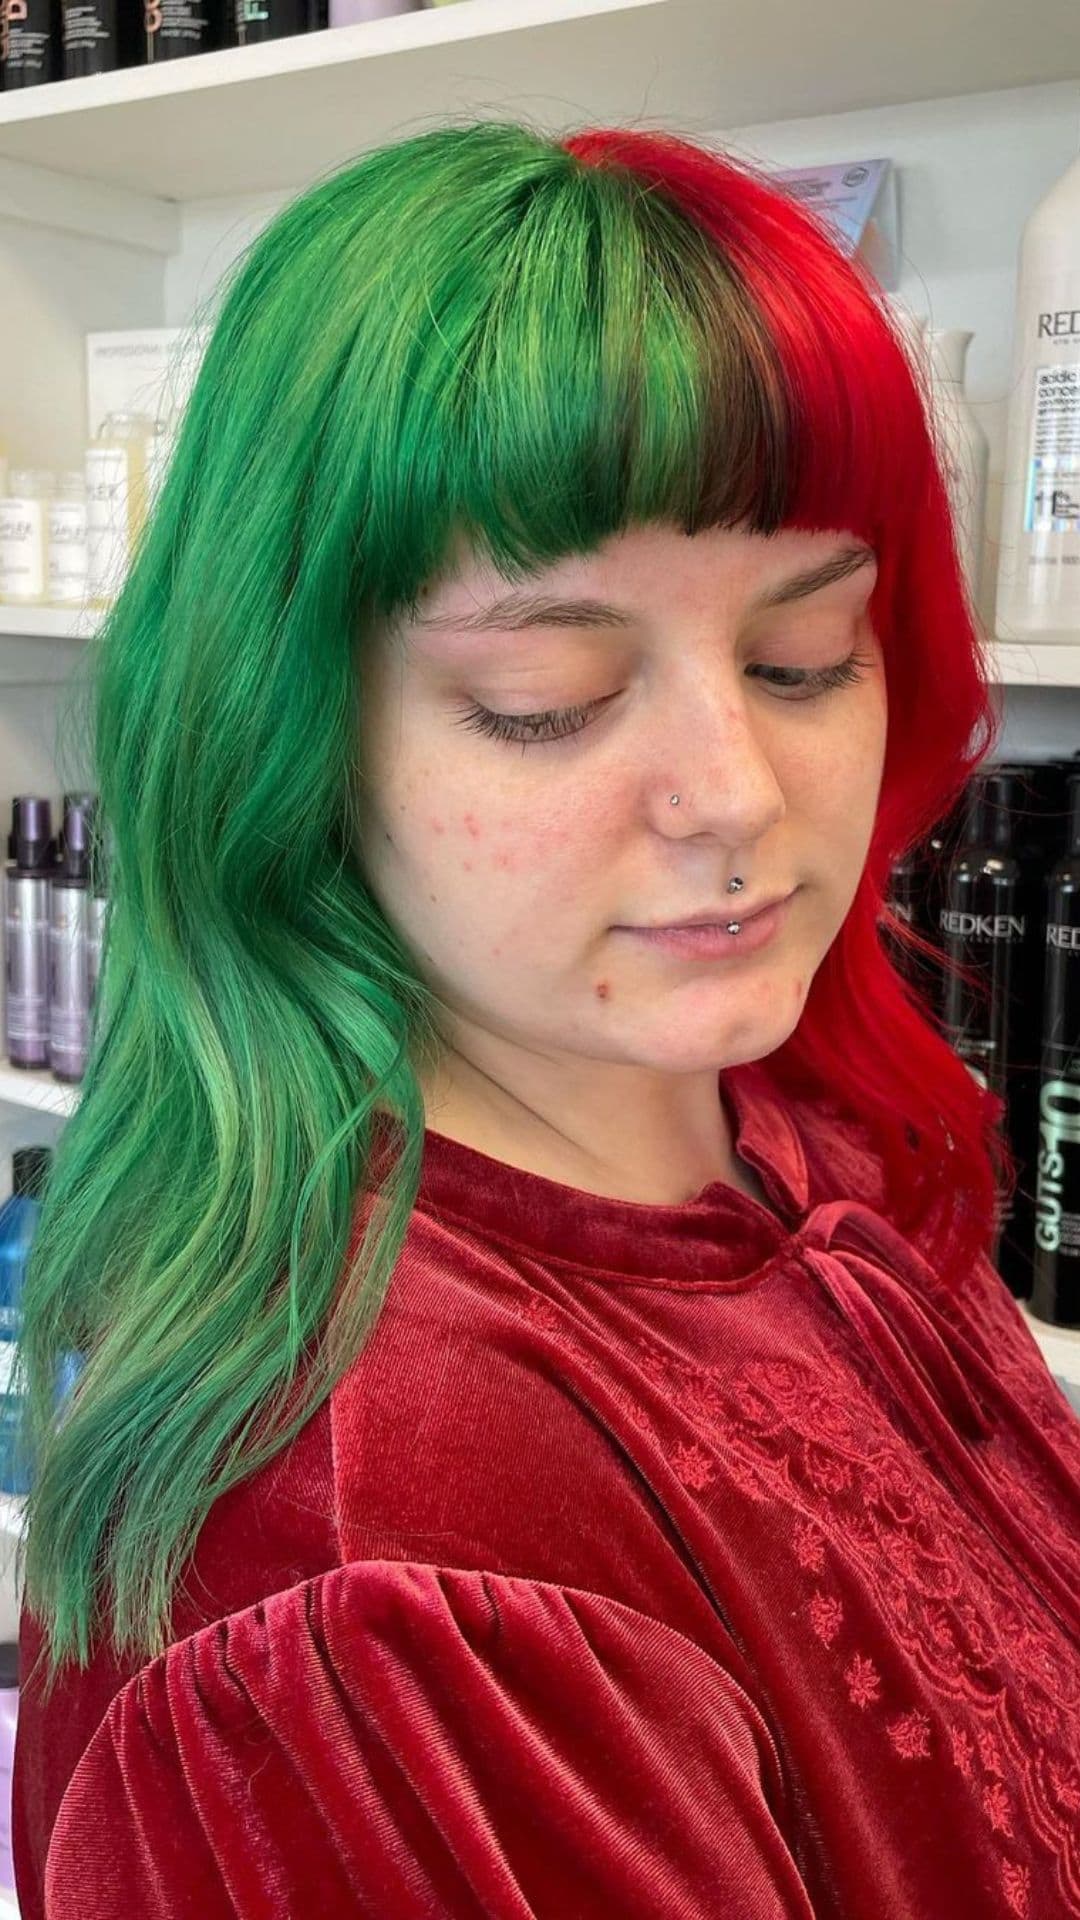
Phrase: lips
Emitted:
{"points": [[719, 917]]}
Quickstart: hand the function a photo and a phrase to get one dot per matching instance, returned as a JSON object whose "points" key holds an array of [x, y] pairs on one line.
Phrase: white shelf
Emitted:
{"points": [[36, 1090], [49, 623], [1060, 1345], [259, 118], [1015, 665]]}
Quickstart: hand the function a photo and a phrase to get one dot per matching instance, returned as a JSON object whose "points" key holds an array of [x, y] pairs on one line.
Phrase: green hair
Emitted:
{"points": [[469, 328]]}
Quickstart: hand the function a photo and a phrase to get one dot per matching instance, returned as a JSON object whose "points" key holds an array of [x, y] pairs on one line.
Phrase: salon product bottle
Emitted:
{"points": [[24, 536], [100, 36], [258, 20], [1055, 1291], [69, 987], [982, 929], [66, 558], [964, 445], [32, 56], [935, 855], [9, 1717], [97, 905], [115, 501], [347, 13], [19, 1216], [1038, 584], [18, 1223], [1036, 816], [913, 328], [26, 932], [172, 29], [905, 894], [159, 451]]}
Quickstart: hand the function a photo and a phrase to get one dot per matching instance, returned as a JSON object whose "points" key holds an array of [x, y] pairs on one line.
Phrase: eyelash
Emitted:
{"points": [[568, 721]]}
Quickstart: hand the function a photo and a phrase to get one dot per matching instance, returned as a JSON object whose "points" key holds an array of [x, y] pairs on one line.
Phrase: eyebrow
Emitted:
{"points": [[517, 610]]}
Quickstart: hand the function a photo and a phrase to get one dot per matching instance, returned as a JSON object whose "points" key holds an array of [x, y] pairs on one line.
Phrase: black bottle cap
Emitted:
{"points": [[993, 808], [30, 1170]]}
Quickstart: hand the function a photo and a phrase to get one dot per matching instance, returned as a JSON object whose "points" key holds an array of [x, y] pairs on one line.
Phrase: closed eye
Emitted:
{"points": [[529, 729]]}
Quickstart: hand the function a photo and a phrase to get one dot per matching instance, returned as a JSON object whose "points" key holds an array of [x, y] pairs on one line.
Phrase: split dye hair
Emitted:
{"points": [[542, 341]]}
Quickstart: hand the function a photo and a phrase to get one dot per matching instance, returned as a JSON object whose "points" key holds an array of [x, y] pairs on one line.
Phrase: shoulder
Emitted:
{"points": [[464, 1429], [405, 1713], [273, 1529]]}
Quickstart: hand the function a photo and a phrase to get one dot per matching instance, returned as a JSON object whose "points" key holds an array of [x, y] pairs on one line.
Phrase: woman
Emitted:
{"points": [[552, 1438]]}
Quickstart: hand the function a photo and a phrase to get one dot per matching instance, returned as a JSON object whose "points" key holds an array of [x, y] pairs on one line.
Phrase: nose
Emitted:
{"points": [[711, 753]]}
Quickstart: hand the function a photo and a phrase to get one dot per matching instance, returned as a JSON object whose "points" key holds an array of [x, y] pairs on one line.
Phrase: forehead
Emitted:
{"points": [[639, 565]]}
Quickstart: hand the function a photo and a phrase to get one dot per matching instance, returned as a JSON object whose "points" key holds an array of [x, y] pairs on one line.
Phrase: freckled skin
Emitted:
{"points": [[511, 869]]}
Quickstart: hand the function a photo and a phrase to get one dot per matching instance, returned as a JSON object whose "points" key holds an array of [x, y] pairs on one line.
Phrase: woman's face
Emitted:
{"points": [[513, 871]]}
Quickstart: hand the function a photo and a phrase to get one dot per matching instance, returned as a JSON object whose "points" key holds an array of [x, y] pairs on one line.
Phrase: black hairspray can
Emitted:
{"points": [[1055, 1293], [257, 20], [100, 36], [31, 43], [173, 29], [906, 893], [982, 930]]}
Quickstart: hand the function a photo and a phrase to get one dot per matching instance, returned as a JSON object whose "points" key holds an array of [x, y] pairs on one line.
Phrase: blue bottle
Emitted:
{"points": [[18, 1224]]}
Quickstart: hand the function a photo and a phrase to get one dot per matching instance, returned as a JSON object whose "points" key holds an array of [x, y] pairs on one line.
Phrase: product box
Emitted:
{"points": [[859, 198], [142, 370]]}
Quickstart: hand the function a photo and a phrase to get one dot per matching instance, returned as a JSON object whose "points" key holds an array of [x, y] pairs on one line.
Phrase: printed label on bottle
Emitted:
{"points": [[1057, 1226], [22, 549], [67, 566], [108, 540], [1052, 503]]}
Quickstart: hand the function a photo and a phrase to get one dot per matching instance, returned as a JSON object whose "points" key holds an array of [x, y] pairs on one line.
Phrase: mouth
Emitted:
{"points": [[715, 916], [710, 940]]}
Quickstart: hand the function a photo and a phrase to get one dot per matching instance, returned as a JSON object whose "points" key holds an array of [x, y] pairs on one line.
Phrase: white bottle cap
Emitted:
{"points": [[30, 482]]}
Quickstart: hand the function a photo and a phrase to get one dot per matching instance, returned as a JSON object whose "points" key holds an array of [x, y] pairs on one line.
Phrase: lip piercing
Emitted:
{"points": [[734, 886]]}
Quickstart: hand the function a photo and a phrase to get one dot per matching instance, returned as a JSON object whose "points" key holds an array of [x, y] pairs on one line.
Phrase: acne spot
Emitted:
{"points": [[602, 990], [437, 826], [472, 825], [468, 865]]}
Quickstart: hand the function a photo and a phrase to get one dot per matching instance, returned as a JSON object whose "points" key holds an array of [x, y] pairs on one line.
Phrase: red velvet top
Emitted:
{"points": [[660, 1562]]}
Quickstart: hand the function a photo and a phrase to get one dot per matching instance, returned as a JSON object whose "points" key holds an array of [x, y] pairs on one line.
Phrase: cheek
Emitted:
{"points": [[492, 840]]}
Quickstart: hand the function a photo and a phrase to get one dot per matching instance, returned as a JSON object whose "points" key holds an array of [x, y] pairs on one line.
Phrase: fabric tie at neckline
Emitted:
{"points": [[885, 1290]]}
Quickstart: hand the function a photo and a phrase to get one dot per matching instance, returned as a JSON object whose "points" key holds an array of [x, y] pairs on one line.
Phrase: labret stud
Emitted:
{"points": [[733, 886]]}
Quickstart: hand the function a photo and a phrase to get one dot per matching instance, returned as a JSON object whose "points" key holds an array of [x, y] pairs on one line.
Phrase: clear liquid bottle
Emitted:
{"points": [[67, 557], [159, 452], [24, 536], [116, 501]]}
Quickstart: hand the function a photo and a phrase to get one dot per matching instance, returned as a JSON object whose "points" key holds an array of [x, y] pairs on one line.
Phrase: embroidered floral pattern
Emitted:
{"points": [[859, 1502], [819, 1432]]}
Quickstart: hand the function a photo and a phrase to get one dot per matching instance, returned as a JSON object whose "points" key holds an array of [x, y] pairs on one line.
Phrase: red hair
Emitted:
{"points": [[861, 454]]}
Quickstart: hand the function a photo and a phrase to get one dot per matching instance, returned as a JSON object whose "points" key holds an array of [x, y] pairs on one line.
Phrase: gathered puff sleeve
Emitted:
{"points": [[398, 1739]]}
